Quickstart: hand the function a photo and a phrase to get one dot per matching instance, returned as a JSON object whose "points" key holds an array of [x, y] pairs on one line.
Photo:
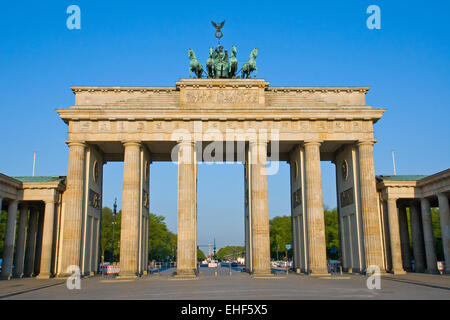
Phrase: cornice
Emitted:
{"points": [[437, 177], [217, 83], [222, 83], [261, 114], [319, 89], [80, 89]]}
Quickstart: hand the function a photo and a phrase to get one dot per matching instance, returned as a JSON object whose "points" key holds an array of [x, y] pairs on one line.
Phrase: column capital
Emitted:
{"points": [[441, 194], [50, 201], [131, 143], [366, 142], [312, 143], [14, 201], [72, 143], [183, 142], [258, 143]]}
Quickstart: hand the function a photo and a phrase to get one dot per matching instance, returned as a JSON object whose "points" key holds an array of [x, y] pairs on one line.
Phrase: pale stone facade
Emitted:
{"points": [[39, 201], [243, 120], [419, 193], [314, 122]]}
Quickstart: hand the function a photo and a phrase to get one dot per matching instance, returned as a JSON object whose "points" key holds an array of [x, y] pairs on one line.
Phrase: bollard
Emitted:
{"points": [[230, 270], [340, 267], [215, 272]]}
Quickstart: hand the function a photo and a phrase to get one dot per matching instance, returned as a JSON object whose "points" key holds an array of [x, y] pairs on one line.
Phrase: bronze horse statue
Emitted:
{"points": [[194, 65], [233, 63], [250, 65], [210, 64]]}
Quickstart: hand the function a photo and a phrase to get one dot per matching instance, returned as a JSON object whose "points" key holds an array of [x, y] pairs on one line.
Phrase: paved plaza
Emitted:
{"points": [[238, 286]]}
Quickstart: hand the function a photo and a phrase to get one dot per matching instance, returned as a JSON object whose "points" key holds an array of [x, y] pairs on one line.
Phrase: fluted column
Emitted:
{"points": [[10, 237], [430, 252], [30, 250], [259, 208], [444, 214], [404, 238], [370, 218], [394, 234], [20, 246], [417, 239], [47, 240], [186, 241], [314, 210], [73, 216], [129, 235]]}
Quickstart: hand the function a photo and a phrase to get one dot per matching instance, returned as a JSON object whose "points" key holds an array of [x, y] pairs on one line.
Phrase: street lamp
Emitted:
{"points": [[113, 224]]}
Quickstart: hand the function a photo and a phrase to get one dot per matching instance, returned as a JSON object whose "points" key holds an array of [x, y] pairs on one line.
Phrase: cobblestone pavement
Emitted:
{"points": [[236, 286]]}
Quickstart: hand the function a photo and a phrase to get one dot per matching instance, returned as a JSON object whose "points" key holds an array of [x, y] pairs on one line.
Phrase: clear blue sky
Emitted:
{"points": [[301, 43]]}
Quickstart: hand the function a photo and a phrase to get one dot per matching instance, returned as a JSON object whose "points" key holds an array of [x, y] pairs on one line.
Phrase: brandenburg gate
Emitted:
{"points": [[243, 120], [225, 117]]}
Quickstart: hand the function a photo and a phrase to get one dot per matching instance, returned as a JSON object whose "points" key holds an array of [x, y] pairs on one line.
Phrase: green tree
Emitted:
{"points": [[200, 255], [230, 252], [280, 236], [162, 243], [106, 234], [332, 233], [435, 218]]}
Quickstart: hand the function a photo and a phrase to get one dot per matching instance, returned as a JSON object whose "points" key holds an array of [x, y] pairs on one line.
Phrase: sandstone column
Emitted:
{"points": [[47, 240], [40, 233], [30, 251], [417, 239], [314, 210], [10, 237], [129, 234], [370, 218], [444, 214], [259, 209], [404, 238], [73, 216], [430, 252], [186, 244], [394, 233], [20, 246]]}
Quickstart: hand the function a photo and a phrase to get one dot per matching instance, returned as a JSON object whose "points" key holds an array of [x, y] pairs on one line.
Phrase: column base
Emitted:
{"points": [[43, 276], [318, 272], [398, 272], [185, 274], [18, 276], [263, 275], [126, 276]]}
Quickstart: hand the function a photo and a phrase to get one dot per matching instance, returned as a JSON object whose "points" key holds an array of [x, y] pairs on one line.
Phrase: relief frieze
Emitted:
{"points": [[214, 96]]}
